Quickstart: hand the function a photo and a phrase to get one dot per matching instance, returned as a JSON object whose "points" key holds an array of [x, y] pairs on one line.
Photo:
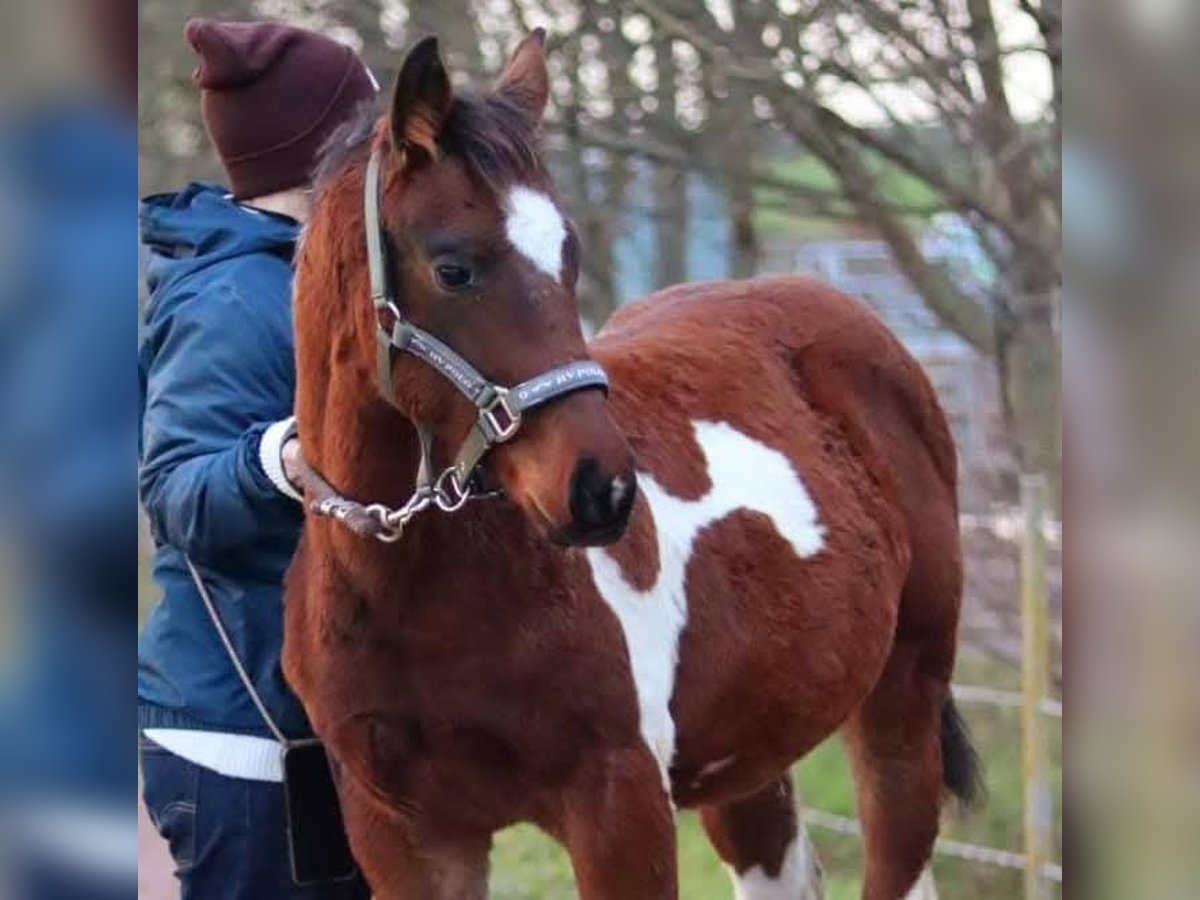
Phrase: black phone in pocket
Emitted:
{"points": [[317, 847]]}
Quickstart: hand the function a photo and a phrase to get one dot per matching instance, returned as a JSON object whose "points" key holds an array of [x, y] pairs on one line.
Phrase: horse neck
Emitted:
{"points": [[364, 447], [371, 453]]}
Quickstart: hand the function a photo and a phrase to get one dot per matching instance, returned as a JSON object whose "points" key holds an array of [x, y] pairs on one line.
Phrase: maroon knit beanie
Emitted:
{"points": [[271, 94]]}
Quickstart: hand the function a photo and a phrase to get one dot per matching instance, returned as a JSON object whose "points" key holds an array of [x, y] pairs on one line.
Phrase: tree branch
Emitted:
{"points": [[820, 201]]}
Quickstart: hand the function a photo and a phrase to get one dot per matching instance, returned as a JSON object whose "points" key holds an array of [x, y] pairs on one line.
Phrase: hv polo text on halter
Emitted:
{"points": [[500, 409]]}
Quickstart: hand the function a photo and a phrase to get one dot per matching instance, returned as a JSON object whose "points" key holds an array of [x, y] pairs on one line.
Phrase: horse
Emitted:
{"points": [[612, 579]]}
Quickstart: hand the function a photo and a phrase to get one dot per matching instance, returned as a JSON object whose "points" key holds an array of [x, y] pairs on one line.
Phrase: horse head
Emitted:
{"points": [[481, 263]]}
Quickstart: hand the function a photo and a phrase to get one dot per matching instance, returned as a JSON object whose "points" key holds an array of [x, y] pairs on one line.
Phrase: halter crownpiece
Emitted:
{"points": [[500, 409]]}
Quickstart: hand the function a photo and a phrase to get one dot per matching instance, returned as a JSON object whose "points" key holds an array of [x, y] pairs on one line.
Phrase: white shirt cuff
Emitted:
{"points": [[270, 454]]}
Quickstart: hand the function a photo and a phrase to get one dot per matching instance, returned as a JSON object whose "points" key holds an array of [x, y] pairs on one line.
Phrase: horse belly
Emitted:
{"points": [[777, 652]]}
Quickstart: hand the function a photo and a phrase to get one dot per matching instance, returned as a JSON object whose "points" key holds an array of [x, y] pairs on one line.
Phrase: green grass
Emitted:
{"points": [[526, 865]]}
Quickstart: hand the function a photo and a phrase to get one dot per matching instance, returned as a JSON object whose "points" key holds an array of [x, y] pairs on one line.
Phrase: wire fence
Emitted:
{"points": [[972, 852], [976, 853], [986, 696]]}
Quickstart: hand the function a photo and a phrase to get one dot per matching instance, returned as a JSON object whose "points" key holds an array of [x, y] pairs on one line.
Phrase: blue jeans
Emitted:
{"points": [[228, 836]]}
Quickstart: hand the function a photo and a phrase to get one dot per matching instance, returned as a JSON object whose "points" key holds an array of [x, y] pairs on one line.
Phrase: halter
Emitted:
{"points": [[499, 410]]}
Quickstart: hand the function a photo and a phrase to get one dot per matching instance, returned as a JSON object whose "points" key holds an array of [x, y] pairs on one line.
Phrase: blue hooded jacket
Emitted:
{"points": [[215, 369]]}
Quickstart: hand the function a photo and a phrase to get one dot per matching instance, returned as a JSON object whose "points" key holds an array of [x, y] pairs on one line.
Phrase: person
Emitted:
{"points": [[217, 379]]}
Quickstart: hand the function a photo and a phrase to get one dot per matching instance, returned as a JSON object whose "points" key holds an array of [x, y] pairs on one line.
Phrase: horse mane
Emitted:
{"points": [[493, 138]]}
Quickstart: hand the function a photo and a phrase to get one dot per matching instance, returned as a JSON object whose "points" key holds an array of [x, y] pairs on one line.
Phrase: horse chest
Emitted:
{"points": [[745, 474]]}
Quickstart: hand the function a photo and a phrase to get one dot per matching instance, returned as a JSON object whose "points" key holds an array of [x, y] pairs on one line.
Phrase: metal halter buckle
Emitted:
{"points": [[448, 494], [504, 426]]}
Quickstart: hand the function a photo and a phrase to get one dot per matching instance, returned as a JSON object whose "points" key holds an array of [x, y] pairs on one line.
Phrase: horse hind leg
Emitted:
{"points": [[764, 845], [906, 743]]}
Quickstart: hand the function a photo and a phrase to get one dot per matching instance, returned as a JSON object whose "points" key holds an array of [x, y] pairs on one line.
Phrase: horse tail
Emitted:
{"points": [[960, 762]]}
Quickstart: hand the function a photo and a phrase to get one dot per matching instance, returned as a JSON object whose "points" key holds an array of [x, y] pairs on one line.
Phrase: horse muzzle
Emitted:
{"points": [[600, 506]]}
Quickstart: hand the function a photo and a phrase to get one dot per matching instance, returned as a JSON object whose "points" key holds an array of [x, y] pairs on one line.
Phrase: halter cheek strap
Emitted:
{"points": [[499, 409]]}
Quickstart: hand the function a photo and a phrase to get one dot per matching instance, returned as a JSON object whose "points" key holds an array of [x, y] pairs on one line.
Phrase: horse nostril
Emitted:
{"points": [[599, 502]]}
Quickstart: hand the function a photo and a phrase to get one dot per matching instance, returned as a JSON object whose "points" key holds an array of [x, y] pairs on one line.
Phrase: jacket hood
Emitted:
{"points": [[202, 225]]}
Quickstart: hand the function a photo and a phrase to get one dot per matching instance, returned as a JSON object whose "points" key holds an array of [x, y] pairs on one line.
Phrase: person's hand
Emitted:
{"points": [[289, 455]]}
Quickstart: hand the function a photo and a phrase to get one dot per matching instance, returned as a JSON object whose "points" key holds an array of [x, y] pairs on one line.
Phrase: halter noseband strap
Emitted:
{"points": [[499, 409]]}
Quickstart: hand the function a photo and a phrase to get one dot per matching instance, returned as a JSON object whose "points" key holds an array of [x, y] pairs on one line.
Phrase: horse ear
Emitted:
{"points": [[525, 82], [421, 100]]}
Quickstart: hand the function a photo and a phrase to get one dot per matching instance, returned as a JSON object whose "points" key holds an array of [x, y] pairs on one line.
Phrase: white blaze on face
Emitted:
{"points": [[745, 474], [536, 228]]}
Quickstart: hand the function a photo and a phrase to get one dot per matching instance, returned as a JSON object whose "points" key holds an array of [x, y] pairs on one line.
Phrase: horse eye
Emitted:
{"points": [[452, 277]]}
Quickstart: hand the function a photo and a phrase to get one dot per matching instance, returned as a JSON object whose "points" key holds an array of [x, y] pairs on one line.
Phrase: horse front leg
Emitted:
{"points": [[401, 864], [619, 829]]}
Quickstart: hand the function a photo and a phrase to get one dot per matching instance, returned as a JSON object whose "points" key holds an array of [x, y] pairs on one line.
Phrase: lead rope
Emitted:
{"points": [[233, 657]]}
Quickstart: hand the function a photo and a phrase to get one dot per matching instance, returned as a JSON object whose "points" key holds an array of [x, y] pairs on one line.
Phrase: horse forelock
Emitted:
{"points": [[492, 137]]}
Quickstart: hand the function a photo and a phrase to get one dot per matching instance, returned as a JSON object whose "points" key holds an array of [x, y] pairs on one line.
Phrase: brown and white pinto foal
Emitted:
{"points": [[580, 653]]}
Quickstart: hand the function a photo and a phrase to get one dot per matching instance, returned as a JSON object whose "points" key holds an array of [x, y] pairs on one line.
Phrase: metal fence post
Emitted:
{"points": [[1034, 665]]}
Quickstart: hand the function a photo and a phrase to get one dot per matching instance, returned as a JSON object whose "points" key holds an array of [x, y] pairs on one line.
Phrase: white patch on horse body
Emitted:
{"points": [[536, 228], [794, 880], [745, 474]]}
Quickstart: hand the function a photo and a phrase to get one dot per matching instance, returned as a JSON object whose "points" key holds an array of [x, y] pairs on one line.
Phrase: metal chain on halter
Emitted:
{"points": [[390, 521], [379, 520]]}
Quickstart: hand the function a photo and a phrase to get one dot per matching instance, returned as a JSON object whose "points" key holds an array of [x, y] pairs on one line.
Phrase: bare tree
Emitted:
{"points": [[669, 191], [593, 174], [732, 105], [716, 92]]}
